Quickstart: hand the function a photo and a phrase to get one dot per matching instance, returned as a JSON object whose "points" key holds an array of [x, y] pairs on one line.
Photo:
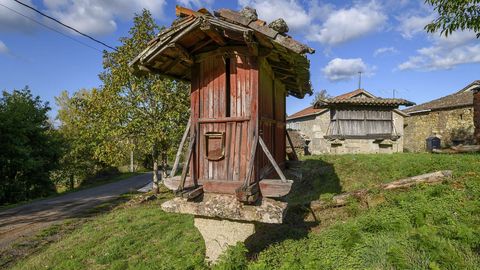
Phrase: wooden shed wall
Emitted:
{"points": [[210, 110], [272, 120]]}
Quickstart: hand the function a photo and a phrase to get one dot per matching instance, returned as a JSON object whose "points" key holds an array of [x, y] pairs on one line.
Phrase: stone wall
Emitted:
{"points": [[476, 105], [452, 126], [315, 128]]}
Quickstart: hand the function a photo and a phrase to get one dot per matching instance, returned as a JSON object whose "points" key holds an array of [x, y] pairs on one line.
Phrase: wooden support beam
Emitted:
{"points": [[187, 163], [190, 194], [210, 30], [295, 157], [184, 54], [271, 159], [271, 188], [180, 148], [198, 46], [183, 12], [251, 43]]}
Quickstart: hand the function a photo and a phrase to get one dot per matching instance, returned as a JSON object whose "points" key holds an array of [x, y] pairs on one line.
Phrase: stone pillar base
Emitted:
{"points": [[219, 234]]}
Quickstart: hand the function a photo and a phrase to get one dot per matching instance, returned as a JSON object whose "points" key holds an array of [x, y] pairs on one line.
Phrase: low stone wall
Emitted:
{"points": [[451, 126]]}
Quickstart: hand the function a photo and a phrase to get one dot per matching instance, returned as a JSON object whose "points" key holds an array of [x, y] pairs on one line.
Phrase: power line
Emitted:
{"points": [[64, 25], [51, 28]]}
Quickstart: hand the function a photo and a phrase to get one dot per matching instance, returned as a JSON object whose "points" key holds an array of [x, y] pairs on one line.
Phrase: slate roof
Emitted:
{"points": [[174, 51], [462, 98]]}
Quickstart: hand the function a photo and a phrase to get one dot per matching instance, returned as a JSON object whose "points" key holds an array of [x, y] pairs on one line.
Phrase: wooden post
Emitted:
{"points": [[180, 148], [291, 145], [132, 169], [187, 162], [272, 160], [251, 162]]}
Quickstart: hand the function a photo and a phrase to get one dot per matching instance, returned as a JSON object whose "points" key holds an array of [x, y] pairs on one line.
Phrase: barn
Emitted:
{"points": [[355, 122]]}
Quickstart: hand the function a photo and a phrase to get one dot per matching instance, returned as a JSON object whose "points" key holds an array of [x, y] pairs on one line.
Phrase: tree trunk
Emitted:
{"points": [[132, 168], [72, 181], [155, 171]]}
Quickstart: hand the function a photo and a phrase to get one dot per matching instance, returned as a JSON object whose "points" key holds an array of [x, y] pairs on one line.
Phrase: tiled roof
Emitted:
{"points": [[354, 93], [363, 101], [359, 97], [461, 98], [306, 112]]}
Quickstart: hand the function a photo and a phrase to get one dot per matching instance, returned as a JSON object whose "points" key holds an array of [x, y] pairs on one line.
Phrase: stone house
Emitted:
{"points": [[451, 118], [355, 122]]}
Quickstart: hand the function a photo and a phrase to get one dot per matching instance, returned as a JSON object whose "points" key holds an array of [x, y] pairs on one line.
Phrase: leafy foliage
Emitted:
{"points": [[145, 114], [78, 130], [148, 112], [320, 95], [455, 15], [29, 147]]}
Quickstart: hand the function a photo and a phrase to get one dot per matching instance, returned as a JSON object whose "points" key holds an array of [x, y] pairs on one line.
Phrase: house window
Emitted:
{"points": [[360, 123]]}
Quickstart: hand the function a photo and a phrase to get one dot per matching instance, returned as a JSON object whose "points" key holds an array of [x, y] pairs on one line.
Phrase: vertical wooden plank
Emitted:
{"points": [[233, 146]]}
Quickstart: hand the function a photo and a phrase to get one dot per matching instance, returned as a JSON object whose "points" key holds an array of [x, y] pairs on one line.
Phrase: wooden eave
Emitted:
{"points": [[173, 52]]}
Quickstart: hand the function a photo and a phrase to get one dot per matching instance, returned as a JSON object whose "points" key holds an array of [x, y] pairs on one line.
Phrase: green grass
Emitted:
{"points": [[334, 174], [140, 237], [426, 227]]}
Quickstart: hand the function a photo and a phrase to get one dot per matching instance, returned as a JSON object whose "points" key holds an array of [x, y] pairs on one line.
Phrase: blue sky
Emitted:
{"points": [[383, 39]]}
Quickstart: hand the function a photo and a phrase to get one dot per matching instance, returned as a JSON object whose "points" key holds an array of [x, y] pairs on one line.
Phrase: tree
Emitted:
{"points": [[321, 95], [147, 113], [79, 138], [29, 147], [455, 15]]}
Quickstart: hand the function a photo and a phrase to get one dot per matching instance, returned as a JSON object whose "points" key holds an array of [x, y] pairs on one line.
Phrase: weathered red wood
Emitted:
{"points": [[268, 187]]}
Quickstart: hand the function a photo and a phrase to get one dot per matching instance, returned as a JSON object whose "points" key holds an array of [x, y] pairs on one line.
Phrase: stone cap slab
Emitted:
{"points": [[227, 207]]}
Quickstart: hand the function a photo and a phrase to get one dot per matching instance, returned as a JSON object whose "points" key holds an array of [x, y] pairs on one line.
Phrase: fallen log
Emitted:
{"points": [[342, 199], [459, 149], [429, 178], [466, 148]]}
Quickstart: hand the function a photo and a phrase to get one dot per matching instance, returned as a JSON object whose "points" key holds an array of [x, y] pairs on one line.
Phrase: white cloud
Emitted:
{"points": [[343, 25], [13, 22], [445, 53], [290, 10], [3, 48], [384, 50], [99, 17], [413, 24], [340, 69]]}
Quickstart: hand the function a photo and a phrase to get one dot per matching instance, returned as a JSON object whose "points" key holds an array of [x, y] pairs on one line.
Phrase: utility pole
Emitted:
{"points": [[359, 80], [394, 90]]}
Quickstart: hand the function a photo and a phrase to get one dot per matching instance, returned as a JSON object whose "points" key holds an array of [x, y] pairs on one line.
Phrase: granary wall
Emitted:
{"points": [[452, 126], [315, 128]]}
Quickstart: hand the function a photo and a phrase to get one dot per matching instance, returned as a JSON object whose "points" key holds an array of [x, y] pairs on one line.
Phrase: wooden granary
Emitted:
{"points": [[241, 71]]}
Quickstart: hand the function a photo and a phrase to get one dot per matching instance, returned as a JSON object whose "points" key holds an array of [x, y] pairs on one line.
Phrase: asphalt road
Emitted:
{"points": [[27, 219]]}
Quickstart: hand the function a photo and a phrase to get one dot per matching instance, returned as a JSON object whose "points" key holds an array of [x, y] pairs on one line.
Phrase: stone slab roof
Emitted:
{"points": [[462, 98], [175, 50]]}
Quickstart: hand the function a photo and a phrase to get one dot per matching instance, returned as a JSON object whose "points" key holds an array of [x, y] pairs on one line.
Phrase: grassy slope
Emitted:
{"points": [[139, 237], [429, 227]]}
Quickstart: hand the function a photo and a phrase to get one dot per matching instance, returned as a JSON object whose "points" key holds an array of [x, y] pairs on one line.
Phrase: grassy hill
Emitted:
{"points": [[426, 227]]}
